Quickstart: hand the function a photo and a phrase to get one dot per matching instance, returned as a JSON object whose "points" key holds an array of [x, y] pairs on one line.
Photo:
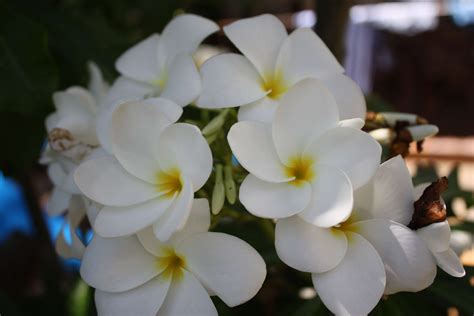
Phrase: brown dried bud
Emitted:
{"points": [[429, 208], [61, 140]]}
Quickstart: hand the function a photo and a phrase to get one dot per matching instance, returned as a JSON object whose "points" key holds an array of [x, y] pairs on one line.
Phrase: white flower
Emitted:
{"points": [[139, 275], [161, 65], [72, 125], [353, 264], [303, 163], [273, 62], [438, 236], [152, 176]]}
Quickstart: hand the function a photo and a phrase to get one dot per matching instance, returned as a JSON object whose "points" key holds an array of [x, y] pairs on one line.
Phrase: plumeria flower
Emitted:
{"points": [[159, 66], [438, 236], [303, 163], [139, 275], [273, 62], [370, 254], [153, 173]]}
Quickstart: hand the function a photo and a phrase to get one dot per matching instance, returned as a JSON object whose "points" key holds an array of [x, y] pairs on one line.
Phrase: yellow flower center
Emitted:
{"points": [[169, 182], [171, 263], [345, 227], [161, 81], [301, 168], [275, 85]]}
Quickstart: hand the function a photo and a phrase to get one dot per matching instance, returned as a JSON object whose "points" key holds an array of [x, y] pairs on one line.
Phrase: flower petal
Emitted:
{"points": [[356, 123], [58, 201], [105, 181], [389, 194], [117, 264], [305, 112], [309, 248], [224, 77], [348, 95], [303, 54], [356, 285], [122, 221], [436, 236], [177, 214], [261, 110], [259, 39], [184, 83], [143, 300], [227, 265], [140, 62], [332, 199], [126, 89], [199, 221], [187, 297], [134, 130], [409, 265], [252, 145], [350, 149], [450, 263], [182, 35], [182, 146], [273, 200], [97, 86]]}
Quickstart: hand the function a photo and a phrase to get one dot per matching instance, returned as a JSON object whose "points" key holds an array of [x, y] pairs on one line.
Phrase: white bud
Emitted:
{"points": [[420, 132], [383, 135], [392, 117]]}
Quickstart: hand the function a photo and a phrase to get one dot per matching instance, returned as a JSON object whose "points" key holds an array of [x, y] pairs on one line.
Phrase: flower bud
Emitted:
{"points": [[230, 189], [218, 194], [391, 118], [215, 124], [383, 135], [420, 132]]}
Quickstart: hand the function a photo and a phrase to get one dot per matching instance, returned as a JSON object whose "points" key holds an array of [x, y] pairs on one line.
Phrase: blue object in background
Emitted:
{"points": [[14, 217]]}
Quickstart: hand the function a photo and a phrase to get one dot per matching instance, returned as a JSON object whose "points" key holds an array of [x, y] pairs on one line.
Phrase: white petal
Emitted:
{"points": [[332, 199], [125, 89], [450, 263], [105, 181], [252, 145], [305, 112], [149, 241], [183, 34], [184, 83], [356, 285], [117, 264], [261, 110], [51, 121], [352, 150], [273, 200], [259, 39], [182, 146], [436, 236], [356, 123], [58, 201], [143, 300], [177, 214], [225, 77], [199, 221], [309, 248], [187, 297], [303, 54], [348, 95], [135, 129], [122, 90], [97, 86], [389, 194], [409, 265], [122, 221], [140, 62], [56, 173], [230, 267], [419, 189]]}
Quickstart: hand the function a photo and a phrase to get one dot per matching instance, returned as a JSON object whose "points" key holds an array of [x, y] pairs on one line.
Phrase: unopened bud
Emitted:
{"points": [[215, 124], [391, 118], [420, 132], [230, 189], [218, 194], [383, 135]]}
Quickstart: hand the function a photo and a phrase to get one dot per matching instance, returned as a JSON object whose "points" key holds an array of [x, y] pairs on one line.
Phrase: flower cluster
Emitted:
{"points": [[124, 156]]}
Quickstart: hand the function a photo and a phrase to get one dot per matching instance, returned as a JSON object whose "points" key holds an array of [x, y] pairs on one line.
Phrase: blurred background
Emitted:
{"points": [[408, 56]]}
